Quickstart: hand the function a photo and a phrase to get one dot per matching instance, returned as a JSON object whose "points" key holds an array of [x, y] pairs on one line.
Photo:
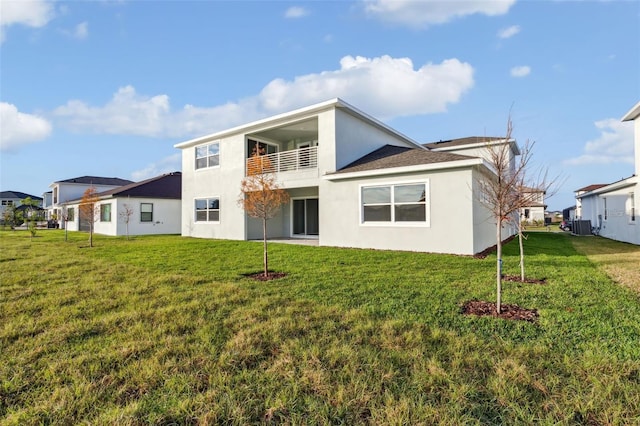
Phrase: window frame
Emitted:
{"points": [[207, 157], [632, 208], [393, 222], [103, 208], [207, 210], [70, 214], [142, 212]]}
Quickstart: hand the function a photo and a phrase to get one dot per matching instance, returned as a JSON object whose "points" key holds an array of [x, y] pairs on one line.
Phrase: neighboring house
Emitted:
{"points": [[353, 182], [72, 189], [613, 209], [579, 192], [14, 198], [154, 207], [534, 211]]}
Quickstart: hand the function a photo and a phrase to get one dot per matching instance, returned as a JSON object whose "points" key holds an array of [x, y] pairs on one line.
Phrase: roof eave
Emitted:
{"points": [[633, 113], [405, 169]]}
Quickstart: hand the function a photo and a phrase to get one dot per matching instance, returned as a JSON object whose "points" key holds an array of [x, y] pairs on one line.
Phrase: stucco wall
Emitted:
{"points": [[450, 210], [617, 224]]}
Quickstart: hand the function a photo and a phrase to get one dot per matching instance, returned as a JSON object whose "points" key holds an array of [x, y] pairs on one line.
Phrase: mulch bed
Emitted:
{"points": [[510, 312], [516, 278], [259, 276]]}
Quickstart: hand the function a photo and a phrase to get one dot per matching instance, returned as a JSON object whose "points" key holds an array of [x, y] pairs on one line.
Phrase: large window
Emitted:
{"points": [[632, 202], [395, 203], [105, 213], [208, 155], [146, 212], [71, 214], [208, 210]]}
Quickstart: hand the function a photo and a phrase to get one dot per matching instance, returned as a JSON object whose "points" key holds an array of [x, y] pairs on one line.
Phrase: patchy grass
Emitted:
{"points": [[621, 261], [166, 329]]}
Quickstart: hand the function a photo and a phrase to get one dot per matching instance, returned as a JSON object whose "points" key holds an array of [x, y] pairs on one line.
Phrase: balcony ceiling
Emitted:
{"points": [[303, 131]]}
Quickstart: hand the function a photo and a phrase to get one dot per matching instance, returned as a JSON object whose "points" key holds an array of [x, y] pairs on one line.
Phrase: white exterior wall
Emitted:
{"points": [[222, 182], [450, 215], [616, 223], [355, 138], [166, 217]]}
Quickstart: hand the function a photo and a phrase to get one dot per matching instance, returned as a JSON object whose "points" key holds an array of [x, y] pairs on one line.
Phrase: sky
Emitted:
{"points": [[107, 88]]}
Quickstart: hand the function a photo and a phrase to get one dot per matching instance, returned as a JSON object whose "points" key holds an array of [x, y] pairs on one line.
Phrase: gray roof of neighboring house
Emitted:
{"points": [[166, 186], [18, 194], [390, 156], [97, 180], [462, 141]]}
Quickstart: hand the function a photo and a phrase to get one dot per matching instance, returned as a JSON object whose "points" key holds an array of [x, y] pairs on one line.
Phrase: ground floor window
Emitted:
{"points": [[632, 202], [146, 212], [71, 214], [397, 203], [105, 212], [207, 210]]}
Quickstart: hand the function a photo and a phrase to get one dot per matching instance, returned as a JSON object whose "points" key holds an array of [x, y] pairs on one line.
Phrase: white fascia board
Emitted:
{"points": [[630, 181], [407, 169], [513, 143], [633, 113], [294, 115]]}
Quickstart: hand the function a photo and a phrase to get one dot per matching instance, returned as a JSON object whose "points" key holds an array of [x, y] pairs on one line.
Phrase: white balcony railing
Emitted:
{"points": [[285, 161]]}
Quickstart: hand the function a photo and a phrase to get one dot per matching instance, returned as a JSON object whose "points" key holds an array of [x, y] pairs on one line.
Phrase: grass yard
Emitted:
{"points": [[168, 330]]}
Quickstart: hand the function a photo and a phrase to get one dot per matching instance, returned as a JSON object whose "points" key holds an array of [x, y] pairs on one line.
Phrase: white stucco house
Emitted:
{"points": [[63, 191], [613, 209], [153, 207], [535, 209], [353, 182]]}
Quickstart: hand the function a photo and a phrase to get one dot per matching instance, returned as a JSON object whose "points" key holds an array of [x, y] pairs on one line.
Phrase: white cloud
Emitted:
{"points": [[295, 12], [168, 164], [81, 31], [420, 14], [614, 145], [19, 128], [521, 71], [385, 87], [32, 13], [509, 32]]}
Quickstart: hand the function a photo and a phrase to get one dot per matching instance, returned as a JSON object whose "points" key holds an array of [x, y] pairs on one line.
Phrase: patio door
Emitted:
{"points": [[305, 217]]}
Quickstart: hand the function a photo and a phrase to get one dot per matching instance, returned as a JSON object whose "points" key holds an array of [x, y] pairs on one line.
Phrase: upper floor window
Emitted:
{"points": [[395, 203], [208, 210], [105, 213], [208, 155], [146, 212], [7, 202]]}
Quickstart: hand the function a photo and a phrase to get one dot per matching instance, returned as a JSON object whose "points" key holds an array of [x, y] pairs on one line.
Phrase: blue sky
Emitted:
{"points": [[106, 88]]}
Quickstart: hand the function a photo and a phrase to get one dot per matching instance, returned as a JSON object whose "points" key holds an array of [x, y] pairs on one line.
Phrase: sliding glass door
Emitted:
{"points": [[305, 217]]}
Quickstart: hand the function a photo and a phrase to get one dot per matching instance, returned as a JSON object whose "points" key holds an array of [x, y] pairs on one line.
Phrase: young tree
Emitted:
{"points": [[498, 192], [31, 215], [64, 218], [261, 197], [12, 217], [125, 215], [530, 184], [90, 210]]}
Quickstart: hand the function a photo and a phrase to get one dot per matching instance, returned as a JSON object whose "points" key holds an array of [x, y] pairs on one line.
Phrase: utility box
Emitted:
{"points": [[582, 227]]}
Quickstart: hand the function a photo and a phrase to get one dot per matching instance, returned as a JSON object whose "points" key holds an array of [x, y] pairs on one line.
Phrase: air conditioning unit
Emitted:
{"points": [[582, 227]]}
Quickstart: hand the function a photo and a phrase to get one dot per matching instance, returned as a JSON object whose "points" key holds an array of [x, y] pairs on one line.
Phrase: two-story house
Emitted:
{"points": [[613, 209], [66, 190], [353, 182]]}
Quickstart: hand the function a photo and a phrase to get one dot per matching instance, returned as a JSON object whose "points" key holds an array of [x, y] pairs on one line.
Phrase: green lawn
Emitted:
{"points": [[168, 330]]}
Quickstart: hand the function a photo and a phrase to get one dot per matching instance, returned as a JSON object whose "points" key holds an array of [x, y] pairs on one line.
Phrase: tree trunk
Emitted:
{"points": [[91, 235], [520, 238], [498, 266], [264, 240]]}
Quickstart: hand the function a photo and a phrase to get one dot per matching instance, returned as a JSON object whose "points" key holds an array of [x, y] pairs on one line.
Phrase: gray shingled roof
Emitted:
{"points": [[97, 180], [463, 141], [167, 186], [18, 194], [390, 156]]}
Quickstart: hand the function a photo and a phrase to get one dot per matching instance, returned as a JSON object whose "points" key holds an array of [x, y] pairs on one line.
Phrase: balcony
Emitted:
{"points": [[286, 161]]}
